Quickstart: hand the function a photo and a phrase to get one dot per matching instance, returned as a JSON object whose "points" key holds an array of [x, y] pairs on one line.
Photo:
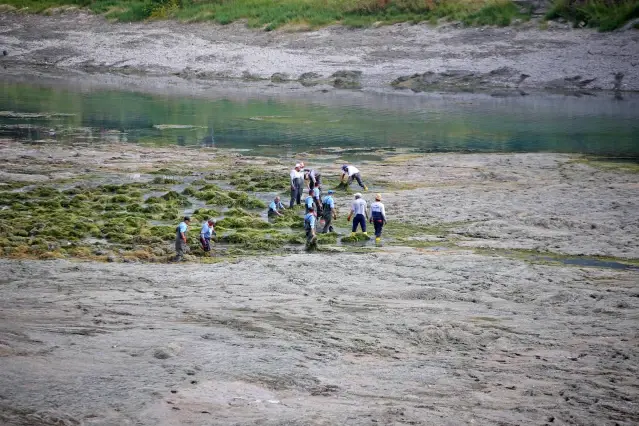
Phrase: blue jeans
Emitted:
{"points": [[359, 219]]}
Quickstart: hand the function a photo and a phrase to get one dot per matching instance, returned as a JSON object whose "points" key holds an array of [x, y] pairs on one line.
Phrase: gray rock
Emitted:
{"points": [[569, 83], [169, 351], [342, 83], [309, 79], [248, 76], [347, 74], [279, 77]]}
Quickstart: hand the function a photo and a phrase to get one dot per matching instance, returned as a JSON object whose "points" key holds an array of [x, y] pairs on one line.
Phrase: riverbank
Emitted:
{"points": [[507, 61], [467, 313]]}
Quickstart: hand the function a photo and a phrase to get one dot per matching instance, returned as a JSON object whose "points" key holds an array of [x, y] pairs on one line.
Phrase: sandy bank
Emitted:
{"points": [[400, 337]]}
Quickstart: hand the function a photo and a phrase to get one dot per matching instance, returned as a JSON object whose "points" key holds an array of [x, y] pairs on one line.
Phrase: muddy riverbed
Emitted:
{"points": [[455, 319]]}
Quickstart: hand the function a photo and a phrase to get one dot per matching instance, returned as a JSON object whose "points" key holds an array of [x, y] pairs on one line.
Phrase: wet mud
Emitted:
{"points": [[458, 317], [397, 337]]}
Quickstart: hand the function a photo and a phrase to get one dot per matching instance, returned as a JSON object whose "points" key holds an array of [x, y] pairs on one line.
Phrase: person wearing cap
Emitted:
{"points": [[378, 217], [310, 222], [360, 213], [180, 238], [275, 207], [297, 183], [328, 212], [352, 172], [208, 230], [309, 201]]}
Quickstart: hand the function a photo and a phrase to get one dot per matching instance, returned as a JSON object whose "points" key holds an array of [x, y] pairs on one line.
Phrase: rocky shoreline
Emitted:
{"points": [[509, 61]]}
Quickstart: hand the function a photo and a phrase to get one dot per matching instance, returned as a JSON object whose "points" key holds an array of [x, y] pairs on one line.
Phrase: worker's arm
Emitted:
{"points": [[183, 235], [350, 215], [384, 214], [334, 213]]}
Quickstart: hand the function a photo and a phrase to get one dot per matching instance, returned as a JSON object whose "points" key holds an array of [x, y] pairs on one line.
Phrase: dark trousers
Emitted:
{"points": [[378, 224], [205, 242], [359, 219], [296, 196], [313, 183], [357, 177], [180, 248], [328, 224]]}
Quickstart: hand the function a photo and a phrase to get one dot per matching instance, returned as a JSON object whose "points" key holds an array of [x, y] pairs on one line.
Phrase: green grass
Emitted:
{"points": [[606, 15], [303, 14]]}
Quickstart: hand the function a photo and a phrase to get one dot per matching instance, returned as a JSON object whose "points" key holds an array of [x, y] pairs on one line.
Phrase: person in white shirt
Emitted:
{"points": [[378, 217], [358, 210], [352, 172], [297, 185]]}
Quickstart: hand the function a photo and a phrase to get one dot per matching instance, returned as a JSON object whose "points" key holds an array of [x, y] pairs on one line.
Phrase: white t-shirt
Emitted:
{"points": [[377, 206], [359, 206], [351, 170]]}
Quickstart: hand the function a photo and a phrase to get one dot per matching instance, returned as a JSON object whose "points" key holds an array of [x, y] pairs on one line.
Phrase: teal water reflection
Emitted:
{"points": [[325, 121]]}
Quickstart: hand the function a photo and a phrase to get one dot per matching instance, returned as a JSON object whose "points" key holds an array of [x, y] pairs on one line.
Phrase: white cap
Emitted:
{"points": [[297, 166], [358, 195]]}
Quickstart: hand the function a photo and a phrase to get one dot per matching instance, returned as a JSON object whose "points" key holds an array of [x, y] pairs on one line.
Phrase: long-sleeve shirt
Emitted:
{"points": [[378, 211], [296, 177]]}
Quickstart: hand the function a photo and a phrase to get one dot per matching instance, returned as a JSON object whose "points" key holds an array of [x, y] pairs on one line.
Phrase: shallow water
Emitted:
{"points": [[348, 125]]}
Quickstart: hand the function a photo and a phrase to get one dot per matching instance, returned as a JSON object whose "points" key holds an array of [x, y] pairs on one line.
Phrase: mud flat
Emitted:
{"points": [[397, 337], [465, 315]]}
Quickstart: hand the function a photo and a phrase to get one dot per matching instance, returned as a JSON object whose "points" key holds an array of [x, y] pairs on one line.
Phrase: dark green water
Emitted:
{"points": [[324, 121]]}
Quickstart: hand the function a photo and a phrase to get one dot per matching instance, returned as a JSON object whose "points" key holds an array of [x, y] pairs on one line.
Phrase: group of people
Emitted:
{"points": [[206, 233], [359, 213], [316, 208]]}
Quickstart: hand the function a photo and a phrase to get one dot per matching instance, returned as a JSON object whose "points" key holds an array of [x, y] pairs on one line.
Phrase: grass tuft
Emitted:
{"points": [[306, 14], [606, 15]]}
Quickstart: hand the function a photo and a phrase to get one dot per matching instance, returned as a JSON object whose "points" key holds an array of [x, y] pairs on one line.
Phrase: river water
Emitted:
{"points": [[358, 122]]}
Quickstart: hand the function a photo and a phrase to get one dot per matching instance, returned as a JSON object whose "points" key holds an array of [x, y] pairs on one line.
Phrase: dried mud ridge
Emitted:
{"points": [[447, 325], [502, 61]]}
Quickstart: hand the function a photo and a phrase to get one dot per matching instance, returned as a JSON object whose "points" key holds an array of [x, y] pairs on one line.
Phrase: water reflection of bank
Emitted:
{"points": [[267, 125]]}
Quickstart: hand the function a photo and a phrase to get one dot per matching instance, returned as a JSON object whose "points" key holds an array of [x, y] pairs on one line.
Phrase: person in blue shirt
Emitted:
{"points": [[208, 230], [275, 207], [317, 199], [310, 222], [309, 202], [180, 238], [328, 212]]}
